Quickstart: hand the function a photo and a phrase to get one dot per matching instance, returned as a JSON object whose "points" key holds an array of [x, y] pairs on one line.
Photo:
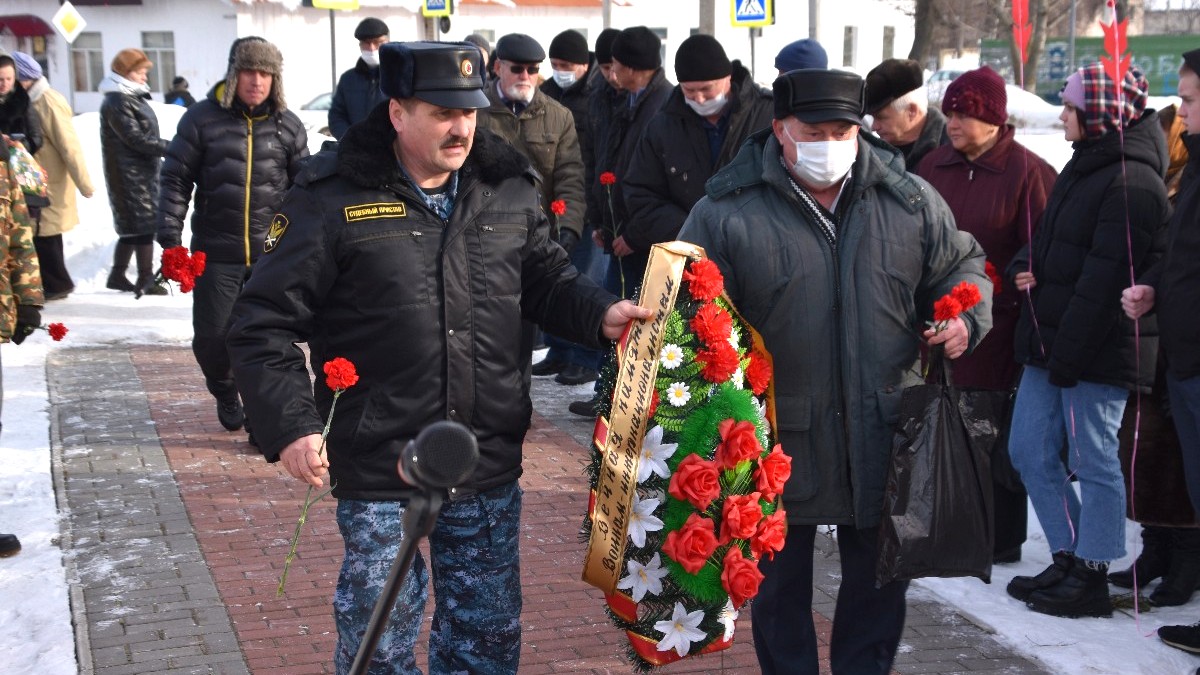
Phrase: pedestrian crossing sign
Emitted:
{"points": [[435, 8], [752, 13]]}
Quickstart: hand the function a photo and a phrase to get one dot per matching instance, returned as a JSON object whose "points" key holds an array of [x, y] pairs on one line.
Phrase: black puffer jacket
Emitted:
{"points": [[666, 177], [428, 310], [1176, 278], [241, 163], [132, 151], [1080, 258], [17, 116], [356, 96]]}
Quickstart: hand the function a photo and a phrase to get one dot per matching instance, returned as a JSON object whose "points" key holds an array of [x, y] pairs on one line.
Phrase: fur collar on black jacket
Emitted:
{"points": [[365, 156]]}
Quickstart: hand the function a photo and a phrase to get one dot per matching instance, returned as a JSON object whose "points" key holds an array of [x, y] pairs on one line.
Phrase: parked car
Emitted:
{"points": [[936, 86], [315, 114]]}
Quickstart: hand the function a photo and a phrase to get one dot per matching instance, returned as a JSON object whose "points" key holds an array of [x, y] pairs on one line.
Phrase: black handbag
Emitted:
{"points": [[937, 508]]}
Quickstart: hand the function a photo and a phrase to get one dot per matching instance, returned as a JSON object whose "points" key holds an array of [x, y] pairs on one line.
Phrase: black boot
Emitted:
{"points": [[1084, 592], [145, 264], [116, 278], [1152, 563], [1021, 587], [9, 545], [1183, 576]]}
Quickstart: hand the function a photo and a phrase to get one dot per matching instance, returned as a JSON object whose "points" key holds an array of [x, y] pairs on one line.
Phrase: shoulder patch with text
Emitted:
{"points": [[279, 225], [373, 211]]}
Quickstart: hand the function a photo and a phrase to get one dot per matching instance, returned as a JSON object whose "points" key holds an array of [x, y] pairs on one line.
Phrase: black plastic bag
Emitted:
{"points": [[937, 504]]}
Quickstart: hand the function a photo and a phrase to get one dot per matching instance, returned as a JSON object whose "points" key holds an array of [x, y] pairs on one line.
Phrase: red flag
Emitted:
{"points": [[1116, 62], [1021, 29]]}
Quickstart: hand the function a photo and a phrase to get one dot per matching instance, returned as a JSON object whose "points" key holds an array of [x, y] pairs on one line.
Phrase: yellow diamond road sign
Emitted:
{"points": [[69, 22]]}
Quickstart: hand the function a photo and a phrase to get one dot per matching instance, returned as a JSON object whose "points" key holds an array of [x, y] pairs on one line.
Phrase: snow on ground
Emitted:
{"points": [[35, 622]]}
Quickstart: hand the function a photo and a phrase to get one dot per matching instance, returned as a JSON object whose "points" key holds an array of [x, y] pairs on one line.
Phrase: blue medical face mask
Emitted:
{"points": [[565, 78]]}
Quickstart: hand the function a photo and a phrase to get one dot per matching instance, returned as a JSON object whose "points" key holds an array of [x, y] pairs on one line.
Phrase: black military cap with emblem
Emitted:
{"points": [[446, 74], [816, 95]]}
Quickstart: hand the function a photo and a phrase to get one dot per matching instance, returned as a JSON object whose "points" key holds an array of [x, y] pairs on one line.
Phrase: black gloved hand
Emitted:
{"points": [[29, 318], [567, 239]]}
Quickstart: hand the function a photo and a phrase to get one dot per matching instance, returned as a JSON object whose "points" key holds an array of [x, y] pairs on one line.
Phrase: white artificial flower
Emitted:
{"points": [[671, 356], [728, 618], [733, 338], [678, 394], [643, 579], [655, 454], [680, 631], [739, 378], [643, 520]]}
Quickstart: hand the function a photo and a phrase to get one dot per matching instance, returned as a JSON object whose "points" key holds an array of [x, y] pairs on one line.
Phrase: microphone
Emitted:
{"points": [[442, 456]]}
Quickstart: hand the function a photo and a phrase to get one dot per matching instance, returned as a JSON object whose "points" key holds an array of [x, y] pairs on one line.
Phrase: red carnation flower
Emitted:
{"points": [[712, 324], [719, 361], [947, 308], [967, 294], [758, 372], [608, 178], [340, 374], [704, 280], [57, 331], [199, 259], [558, 207], [653, 405]]}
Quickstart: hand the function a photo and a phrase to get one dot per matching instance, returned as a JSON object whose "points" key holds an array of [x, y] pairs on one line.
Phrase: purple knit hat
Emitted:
{"points": [[1090, 90], [980, 94]]}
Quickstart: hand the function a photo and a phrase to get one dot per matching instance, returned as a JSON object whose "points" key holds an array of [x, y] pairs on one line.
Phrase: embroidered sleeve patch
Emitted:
{"points": [[373, 211], [279, 225]]}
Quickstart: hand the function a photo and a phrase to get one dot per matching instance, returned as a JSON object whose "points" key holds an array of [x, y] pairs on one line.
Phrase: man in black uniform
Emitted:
{"points": [[414, 249]]}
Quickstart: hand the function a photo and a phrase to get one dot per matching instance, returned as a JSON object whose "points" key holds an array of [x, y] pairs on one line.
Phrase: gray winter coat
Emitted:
{"points": [[843, 323]]}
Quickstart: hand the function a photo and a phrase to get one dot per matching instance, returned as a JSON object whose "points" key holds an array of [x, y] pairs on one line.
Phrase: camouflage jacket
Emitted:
{"points": [[21, 283]]}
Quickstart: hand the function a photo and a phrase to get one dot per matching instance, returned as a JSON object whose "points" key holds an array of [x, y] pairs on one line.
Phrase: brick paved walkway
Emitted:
{"points": [[175, 532]]}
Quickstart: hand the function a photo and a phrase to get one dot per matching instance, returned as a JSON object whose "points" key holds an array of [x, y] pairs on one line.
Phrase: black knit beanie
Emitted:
{"points": [[570, 46], [701, 58], [638, 48], [604, 43]]}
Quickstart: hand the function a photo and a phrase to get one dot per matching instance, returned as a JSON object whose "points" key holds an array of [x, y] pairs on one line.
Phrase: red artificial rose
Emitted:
{"points": [[653, 405], [608, 178], [740, 516], [340, 374], [719, 361], [558, 207], [199, 258], [57, 331], [947, 308], [769, 538], [712, 324], [695, 481], [704, 280], [773, 473], [758, 373], [990, 270], [692, 544], [740, 577], [739, 443], [967, 294]]}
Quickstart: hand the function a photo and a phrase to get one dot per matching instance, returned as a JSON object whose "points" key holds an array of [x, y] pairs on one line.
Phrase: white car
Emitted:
{"points": [[315, 115], [936, 86]]}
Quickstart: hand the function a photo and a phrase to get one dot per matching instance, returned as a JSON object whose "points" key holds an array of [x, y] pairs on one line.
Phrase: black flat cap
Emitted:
{"points": [[890, 80], [446, 74], [369, 28], [519, 48], [815, 95]]}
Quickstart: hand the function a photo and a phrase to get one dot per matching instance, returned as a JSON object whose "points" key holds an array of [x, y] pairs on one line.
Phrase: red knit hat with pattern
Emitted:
{"points": [[980, 94]]}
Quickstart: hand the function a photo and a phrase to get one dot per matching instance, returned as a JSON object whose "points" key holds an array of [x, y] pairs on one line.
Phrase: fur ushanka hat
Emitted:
{"points": [[254, 53]]}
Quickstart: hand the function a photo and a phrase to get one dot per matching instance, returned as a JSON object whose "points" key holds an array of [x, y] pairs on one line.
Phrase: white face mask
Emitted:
{"points": [[710, 107], [820, 164], [565, 78], [371, 58]]}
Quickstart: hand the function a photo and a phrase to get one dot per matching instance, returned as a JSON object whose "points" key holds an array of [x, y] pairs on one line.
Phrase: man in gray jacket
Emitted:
{"points": [[835, 255]]}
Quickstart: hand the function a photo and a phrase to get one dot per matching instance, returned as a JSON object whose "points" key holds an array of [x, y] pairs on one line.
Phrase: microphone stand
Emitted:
{"points": [[419, 518]]}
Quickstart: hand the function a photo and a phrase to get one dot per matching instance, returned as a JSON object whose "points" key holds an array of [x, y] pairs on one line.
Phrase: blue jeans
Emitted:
{"points": [[476, 586], [1087, 417], [592, 262], [867, 621], [1185, 408]]}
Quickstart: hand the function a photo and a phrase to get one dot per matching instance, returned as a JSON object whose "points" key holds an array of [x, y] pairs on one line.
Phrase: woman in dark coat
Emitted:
{"points": [[17, 116], [1081, 353], [133, 153], [997, 190]]}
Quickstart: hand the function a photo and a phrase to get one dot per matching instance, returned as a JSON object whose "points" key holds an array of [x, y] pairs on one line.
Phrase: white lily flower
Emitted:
{"points": [[671, 356], [643, 579], [643, 520], [728, 618], [678, 394], [655, 454], [681, 630]]}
